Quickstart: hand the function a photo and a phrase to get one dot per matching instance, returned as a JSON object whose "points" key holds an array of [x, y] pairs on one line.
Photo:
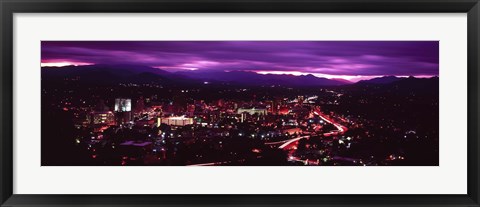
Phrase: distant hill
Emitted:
{"points": [[252, 78], [403, 83], [401, 87], [420, 85], [117, 70], [342, 80], [381, 80]]}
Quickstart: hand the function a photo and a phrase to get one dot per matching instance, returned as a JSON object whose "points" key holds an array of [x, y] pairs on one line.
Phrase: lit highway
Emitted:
{"points": [[291, 144]]}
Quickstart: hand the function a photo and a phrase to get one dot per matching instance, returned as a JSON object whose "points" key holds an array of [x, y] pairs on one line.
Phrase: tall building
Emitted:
{"points": [[123, 105], [123, 110]]}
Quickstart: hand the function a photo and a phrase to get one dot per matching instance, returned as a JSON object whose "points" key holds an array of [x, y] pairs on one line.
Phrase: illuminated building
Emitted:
{"points": [[102, 117], [123, 110], [243, 117], [123, 105], [177, 121], [252, 111]]}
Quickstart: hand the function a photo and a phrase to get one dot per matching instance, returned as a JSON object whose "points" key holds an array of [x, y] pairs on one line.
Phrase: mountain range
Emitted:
{"points": [[143, 74]]}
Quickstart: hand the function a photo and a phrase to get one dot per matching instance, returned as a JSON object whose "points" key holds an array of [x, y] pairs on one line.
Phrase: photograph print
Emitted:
{"points": [[240, 103]]}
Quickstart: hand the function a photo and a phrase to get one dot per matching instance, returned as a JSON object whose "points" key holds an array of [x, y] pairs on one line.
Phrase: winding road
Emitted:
{"points": [[290, 145]]}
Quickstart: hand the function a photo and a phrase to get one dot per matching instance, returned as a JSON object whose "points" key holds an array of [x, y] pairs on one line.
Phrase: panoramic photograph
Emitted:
{"points": [[239, 103]]}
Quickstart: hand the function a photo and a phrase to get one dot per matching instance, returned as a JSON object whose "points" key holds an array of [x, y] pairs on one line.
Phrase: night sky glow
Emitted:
{"points": [[350, 60]]}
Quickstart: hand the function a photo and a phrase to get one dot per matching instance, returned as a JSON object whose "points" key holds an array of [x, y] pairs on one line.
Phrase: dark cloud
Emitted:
{"points": [[352, 58]]}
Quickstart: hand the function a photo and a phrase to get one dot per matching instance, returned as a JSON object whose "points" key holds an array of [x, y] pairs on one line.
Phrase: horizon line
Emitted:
{"points": [[347, 78]]}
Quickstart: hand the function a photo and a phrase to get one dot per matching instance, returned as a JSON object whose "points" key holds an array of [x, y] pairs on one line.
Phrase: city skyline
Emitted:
{"points": [[240, 103], [348, 60]]}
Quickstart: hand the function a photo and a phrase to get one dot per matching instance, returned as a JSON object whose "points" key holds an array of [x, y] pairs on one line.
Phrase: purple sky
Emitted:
{"points": [[351, 60]]}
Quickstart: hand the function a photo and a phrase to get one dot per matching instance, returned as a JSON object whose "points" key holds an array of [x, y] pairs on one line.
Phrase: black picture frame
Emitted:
{"points": [[10, 7]]}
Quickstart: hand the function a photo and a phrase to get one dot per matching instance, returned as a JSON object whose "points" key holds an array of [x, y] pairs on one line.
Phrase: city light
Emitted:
{"points": [[240, 103]]}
